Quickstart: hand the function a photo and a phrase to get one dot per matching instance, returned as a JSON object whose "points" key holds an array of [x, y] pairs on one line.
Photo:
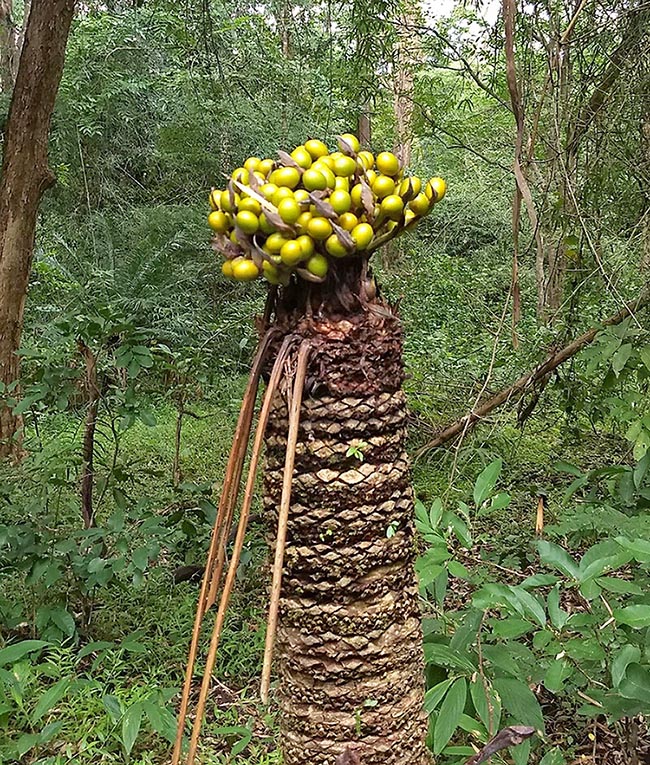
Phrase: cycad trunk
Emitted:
{"points": [[349, 645]]}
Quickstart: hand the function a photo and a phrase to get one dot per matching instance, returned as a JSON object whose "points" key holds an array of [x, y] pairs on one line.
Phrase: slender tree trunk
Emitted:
{"points": [[349, 644], [9, 41], [408, 53], [25, 177], [88, 456]]}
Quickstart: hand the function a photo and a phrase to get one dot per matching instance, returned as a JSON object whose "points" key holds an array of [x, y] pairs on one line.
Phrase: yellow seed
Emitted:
{"points": [[316, 148], [334, 247], [219, 222], [319, 228], [244, 270], [387, 163], [362, 235], [291, 253], [348, 221]]}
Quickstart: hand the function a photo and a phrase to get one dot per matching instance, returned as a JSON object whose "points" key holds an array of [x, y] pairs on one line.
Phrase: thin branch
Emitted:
{"points": [[283, 516], [238, 546], [526, 382], [233, 470]]}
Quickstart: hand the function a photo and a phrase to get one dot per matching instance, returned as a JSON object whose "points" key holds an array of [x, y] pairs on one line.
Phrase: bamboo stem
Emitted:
{"points": [[239, 543], [283, 517], [233, 474]]}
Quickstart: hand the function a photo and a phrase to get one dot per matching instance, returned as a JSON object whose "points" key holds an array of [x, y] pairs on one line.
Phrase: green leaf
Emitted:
{"points": [[621, 358], [113, 706], [489, 713], [13, 653], [554, 757], [637, 617], [50, 698], [512, 627], [530, 604], [458, 570], [640, 548], [442, 655], [500, 656], [434, 695], [141, 558], [450, 712], [556, 674], [521, 753], [131, 726], [644, 355], [635, 684], [555, 556], [94, 647], [520, 702], [619, 586], [628, 654], [486, 482], [63, 620], [160, 719]]}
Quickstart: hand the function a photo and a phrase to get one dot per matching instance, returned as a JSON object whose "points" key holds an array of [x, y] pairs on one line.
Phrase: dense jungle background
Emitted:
{"points": [[533, 507]]}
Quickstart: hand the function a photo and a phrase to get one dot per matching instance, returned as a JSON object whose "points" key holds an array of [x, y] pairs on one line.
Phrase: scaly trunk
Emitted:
{"points": [[25, 177], [349, 644]]}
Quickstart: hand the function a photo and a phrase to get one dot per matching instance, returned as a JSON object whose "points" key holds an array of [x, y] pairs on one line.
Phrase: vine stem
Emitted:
{"points": [[283, 517], [276, 375], [219, 531]]}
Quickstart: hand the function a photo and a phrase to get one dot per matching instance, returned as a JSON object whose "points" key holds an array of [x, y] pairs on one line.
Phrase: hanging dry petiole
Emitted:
{"points": [[220, 529], [283, 515], [276, 375]]}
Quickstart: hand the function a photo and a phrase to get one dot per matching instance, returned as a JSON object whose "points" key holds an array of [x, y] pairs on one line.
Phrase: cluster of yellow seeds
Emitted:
{"points": [[296, 214]]}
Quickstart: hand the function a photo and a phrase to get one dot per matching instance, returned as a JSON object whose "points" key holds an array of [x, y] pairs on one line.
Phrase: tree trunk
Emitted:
{"points": [[25, 177], [9, 38], [349, 643], [88, 455]]}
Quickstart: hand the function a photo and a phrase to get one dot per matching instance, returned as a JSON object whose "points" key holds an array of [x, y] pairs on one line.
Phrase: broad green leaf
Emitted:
{"points": [[539, 580], [556, 674], [435, 514], [13, 653], [629, 654], [442, 655], [554, 757], [530, 604], [450, 712], [520, 702], [50, 698], [512, 627], [98, 645], [160, 719], [582, 649], [520, 754], [63, 620], [486, 482], [434, 695], [637, 617], [489, 712], [500, 656], [458, 570], [621, 586], [640, 548], [555, 556], [635, 683], [131, 726], [621, 358], [644, 355], [113, 706]]}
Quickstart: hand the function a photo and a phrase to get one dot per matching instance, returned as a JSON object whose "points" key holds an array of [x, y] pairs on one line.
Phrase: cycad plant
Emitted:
{"points": [[343, 620]]}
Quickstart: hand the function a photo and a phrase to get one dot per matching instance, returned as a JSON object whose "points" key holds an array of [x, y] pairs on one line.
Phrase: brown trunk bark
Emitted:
{"points": [[349, 644], [25, 177], [9, 40], [88, 456], [407, 54]]}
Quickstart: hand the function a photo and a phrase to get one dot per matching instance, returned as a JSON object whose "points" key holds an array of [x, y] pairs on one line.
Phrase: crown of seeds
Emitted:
{"points": [[294, 215]]}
